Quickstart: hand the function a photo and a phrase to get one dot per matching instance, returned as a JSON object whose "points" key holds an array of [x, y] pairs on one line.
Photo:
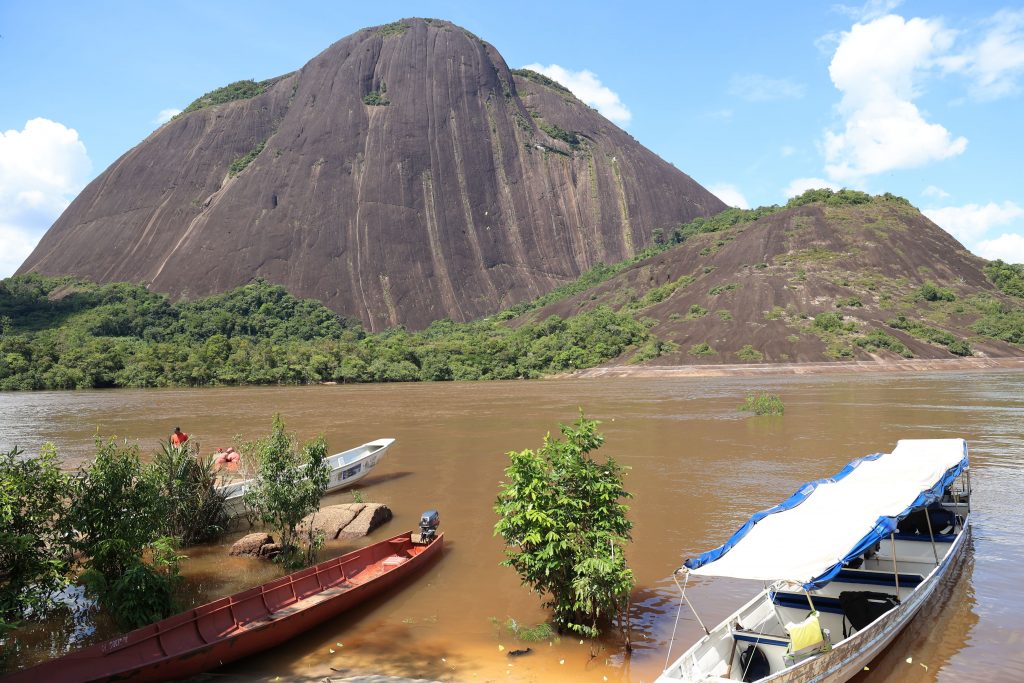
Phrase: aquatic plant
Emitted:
{"points": [[195, 507], [763, 404]]}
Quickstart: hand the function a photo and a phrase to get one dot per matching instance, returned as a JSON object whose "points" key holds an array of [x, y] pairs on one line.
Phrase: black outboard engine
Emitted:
{"points": [[429, 521]]}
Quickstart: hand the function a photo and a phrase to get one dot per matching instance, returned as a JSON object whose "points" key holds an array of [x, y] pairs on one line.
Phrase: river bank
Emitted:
{"points": [[919, 365]]}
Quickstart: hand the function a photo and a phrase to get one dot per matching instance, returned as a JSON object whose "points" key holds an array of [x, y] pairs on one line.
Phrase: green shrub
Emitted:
{"points": [[763, 404], [918, 329], [849, 302], [556, 132], [529, 634], [196, 510], [715, 291], [288, 486], [240, 164], [376, 98], [829, 322], [930, 292], [1008, 277], [749, 354], [1008, 326], [395, 28], [561, 515], [239, 90], [34, 528], [696, 311], [724, 314], [702, 349], [876, 339]]}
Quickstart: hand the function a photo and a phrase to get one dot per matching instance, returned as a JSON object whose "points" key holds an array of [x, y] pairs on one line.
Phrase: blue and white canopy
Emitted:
{"points": [[805, 540]]}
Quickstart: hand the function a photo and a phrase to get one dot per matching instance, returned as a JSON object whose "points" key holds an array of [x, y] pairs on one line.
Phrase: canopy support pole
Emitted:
{"points": [[931, 534], [895, 569]]}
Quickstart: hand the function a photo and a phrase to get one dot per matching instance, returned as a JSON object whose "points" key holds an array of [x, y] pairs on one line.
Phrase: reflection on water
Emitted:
{"points": [[698, 470]]}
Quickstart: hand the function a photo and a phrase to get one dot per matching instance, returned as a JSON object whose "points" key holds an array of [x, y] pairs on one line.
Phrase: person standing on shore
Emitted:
{"points": [[179, 437]]}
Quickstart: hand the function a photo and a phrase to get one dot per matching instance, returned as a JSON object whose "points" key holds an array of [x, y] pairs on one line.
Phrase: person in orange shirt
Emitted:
{"points": [[178, 437]]}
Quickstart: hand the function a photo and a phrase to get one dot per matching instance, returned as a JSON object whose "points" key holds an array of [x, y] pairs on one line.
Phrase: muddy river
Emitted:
{"points": [[699, 468]]}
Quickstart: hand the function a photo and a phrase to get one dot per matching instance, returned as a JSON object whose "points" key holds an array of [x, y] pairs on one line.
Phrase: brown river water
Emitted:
{"points": [[699, 468]]}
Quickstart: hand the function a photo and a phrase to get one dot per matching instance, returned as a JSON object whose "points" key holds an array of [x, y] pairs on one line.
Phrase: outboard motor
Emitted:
{"points": [[429, 521]]}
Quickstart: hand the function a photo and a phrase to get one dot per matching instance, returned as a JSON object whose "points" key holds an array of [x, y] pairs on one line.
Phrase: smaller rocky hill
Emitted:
{"points": [[839, 276]]}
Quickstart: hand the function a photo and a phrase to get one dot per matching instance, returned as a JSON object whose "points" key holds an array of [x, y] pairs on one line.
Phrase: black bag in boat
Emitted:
{"points": [[863, 607], [755, 664], [916, 522]]}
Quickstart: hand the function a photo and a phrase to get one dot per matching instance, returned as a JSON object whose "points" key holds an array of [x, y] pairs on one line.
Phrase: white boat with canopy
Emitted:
{"points": [[847, 561], [346, 468]]}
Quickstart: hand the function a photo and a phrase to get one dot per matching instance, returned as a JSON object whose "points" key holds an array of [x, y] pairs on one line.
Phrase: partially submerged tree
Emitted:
{"points": [[118, 513], [188, 485], [288, 486], [565, 528], [34, 557]]}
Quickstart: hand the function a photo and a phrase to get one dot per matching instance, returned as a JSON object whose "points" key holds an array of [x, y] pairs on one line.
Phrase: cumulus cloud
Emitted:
{"points": [[730, 194], [760, 88], [877, 67], [586, 86], [165, 115], [1009, 247], [42, 167], [798, 186], [996, 63], [970, 222]]}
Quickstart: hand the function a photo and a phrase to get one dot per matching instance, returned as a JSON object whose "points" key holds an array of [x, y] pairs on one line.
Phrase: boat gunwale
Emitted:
{"points": [[881, 631], [145, 636]]}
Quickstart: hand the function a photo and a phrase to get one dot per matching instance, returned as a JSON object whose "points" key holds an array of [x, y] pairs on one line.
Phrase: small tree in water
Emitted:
{"points": [[287, 487], [565, 528]]}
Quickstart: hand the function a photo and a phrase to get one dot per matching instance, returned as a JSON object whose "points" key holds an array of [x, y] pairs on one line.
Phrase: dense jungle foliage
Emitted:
{"points": [[65, 333]]}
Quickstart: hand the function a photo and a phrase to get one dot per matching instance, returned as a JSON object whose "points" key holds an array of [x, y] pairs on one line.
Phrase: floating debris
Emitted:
{"points": [[520, 653], [501, 648]]}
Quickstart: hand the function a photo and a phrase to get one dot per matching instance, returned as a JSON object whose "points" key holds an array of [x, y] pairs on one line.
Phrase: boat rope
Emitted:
{"points": [[679, 610]]}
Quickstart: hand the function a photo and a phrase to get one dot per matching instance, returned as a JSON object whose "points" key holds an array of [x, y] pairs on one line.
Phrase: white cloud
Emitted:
{"points": [[872, 9], [877, 66], [970, 222], [730, 194], [760, 88], [42, 167], [800, 185], [165, 115], [1009, 247], [996, 62], [936, 192], [586, 86]]}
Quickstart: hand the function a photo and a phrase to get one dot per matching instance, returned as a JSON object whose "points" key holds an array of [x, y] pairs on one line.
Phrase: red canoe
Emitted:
{"points": [[241, 624]]}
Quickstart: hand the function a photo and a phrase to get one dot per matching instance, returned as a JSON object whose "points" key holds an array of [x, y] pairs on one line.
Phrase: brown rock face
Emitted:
{"points": [[470, 190], [347, 520]]}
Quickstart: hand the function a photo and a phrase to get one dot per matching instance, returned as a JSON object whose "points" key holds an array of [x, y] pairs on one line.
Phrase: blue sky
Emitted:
{"points": [[754, 100]]}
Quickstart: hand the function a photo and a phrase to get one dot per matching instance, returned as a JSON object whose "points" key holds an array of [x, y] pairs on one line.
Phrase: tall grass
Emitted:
{"points": [[188, 483]]}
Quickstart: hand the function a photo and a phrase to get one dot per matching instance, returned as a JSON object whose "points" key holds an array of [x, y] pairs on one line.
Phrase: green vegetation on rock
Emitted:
{"points": [[929, 291], [395, 28], [558, 133], [749, 354], [916, 328], [531, 75], [239, 90], [1008, 277], [702, 349], [239, 164], [876, 339]]}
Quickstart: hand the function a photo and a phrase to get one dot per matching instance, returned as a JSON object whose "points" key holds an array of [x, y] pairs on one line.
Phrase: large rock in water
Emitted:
{"points": [[348, 520], [402, 176]]}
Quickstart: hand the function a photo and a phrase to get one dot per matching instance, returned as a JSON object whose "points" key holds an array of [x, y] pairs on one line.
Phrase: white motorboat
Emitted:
{"points": [[846, 561], [346, 467]]}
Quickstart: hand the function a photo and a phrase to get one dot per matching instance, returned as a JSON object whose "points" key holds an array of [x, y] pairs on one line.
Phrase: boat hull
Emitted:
{"points": [[242, 624], [346, 468], [849, 657]]}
